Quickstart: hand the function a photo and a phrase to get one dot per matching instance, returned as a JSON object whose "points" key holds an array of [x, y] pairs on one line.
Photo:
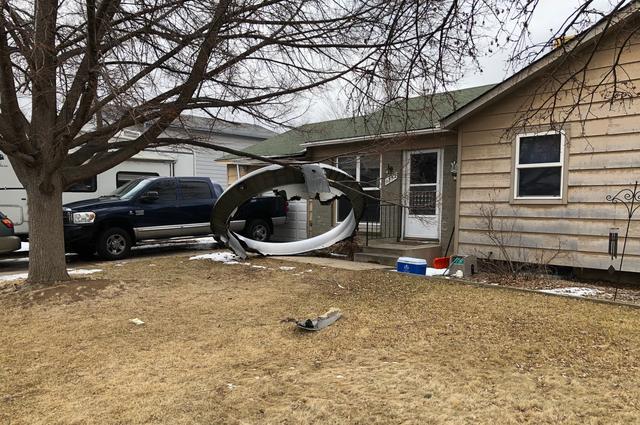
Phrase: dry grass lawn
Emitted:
{"points": [[216, 348]]}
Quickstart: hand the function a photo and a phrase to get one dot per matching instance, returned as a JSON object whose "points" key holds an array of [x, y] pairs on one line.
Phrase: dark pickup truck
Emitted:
{"points": [[160, 208]]}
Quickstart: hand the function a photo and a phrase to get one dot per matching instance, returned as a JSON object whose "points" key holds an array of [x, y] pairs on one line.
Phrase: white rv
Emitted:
{"points": [[170, 161], [13, 197]]}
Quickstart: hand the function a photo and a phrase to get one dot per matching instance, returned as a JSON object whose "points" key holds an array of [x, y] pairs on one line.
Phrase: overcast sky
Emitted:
{"points": [[549, 16]]}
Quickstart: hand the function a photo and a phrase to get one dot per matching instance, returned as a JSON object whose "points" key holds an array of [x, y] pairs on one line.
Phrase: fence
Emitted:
{"points": [[382, 221]]}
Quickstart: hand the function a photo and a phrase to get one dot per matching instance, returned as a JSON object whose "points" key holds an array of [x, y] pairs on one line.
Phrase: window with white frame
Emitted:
{"points": [[366, 170], [539, 165]]}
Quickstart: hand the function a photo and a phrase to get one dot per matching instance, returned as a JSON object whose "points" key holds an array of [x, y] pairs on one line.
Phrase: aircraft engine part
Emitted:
{"points": [[313, 181]]}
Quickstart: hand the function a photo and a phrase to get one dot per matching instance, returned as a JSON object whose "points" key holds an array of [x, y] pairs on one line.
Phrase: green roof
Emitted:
{"points": [[415, 113]]}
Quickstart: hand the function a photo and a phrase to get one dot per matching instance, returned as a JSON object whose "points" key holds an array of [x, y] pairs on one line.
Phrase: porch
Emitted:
{"points": [[387, 252]]}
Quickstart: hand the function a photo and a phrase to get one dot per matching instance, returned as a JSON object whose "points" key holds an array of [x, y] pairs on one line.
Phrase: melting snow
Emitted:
{"points": [[435, 272], [221, 257], [9, 277], [573, 291]]}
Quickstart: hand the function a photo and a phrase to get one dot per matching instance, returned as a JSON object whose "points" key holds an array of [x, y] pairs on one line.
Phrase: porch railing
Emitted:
{"points": [[382, 221]]}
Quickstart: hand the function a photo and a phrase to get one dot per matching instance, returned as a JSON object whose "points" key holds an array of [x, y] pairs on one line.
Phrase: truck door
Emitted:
{"points": [[196, 202], [159, 218]]}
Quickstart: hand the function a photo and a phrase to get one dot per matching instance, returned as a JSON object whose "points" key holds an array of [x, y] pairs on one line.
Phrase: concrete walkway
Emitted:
{"points": [[333, 262]]}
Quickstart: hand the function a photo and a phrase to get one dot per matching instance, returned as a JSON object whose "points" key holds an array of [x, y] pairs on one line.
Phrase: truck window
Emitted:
{"points": [[87, 185], [166, 188], [124, 177], [195, 190]]}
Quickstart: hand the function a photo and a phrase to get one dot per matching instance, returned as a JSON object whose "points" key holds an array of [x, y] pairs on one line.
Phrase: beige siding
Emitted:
{"points": [[603, 143]]}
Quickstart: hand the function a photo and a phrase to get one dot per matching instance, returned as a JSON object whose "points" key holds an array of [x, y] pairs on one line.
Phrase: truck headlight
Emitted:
{"points": [[84, 217]]}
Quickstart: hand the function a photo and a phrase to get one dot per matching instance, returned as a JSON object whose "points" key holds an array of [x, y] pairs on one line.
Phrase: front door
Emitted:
{"points": [[422, 193]]}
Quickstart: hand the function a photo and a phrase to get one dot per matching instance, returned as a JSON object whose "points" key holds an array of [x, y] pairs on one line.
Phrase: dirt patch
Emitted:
{"points": [[214, 349], [63, 292]]}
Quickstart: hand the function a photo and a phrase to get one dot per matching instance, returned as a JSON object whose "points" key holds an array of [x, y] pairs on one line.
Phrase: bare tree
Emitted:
{"points": [[145, 62]]}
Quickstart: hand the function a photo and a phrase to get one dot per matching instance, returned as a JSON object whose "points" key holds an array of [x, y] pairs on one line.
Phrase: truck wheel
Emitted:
{"points": [[259, 230], [114, 243]]}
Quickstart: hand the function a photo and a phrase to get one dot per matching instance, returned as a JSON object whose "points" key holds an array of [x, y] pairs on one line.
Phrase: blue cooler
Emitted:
{"points": [[412, 265]]}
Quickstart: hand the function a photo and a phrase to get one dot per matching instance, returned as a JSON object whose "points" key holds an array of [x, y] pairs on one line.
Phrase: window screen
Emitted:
{"points": [[366, 170], [539, 166]]}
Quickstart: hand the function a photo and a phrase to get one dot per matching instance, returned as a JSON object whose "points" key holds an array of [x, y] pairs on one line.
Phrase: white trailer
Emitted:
{"points": [[156, 162]]}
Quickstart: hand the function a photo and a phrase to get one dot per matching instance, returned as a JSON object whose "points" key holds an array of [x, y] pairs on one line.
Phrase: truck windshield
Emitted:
{"points": [[129, 190]]}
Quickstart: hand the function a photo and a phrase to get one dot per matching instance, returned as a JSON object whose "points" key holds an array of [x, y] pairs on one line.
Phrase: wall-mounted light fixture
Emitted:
{"points": [[454, 169], [389, 169]]}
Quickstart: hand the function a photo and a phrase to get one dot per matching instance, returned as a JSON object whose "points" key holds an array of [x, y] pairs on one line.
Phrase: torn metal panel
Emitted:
{"points": [[320, 322], [319, 181]]}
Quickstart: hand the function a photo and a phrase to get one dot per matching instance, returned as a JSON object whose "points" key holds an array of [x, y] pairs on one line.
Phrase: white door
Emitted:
{"points": [[422, 194]]}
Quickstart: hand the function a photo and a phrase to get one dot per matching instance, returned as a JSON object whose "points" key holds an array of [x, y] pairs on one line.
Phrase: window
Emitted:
{"points": [[166, 188], [538, 166], [86, 185], [366, 170], [192, 189], [124, 177]]}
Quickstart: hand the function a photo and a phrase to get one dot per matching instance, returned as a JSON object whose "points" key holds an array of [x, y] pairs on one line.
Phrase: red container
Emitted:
{"points": [[441, 263]]}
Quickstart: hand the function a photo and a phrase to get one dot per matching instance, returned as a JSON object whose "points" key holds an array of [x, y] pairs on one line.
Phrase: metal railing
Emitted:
{"points": [[382, 221]]}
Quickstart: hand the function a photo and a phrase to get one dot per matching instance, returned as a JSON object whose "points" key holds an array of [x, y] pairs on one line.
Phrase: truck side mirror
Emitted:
{"points": [[150, 196]]}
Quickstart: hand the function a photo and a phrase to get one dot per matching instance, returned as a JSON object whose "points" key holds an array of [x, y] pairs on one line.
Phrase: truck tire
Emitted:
{"points": [[114, 243], [259, 230]]}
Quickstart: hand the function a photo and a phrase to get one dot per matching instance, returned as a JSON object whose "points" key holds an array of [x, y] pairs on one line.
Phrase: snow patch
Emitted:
{"points": [[287, 268], [17, 276], [435, 272], [84, 271], [573, 291], [220, 257]]}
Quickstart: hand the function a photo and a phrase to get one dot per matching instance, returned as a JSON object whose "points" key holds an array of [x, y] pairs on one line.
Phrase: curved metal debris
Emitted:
{"points": [[314, 181]]}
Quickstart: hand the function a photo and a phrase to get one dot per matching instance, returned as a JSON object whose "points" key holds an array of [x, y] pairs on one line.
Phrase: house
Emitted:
{"points": [[400, 155], [540, 152], [521, 170]]}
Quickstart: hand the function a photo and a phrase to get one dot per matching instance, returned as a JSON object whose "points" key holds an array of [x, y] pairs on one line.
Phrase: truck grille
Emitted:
{"points": [[67, 217]]}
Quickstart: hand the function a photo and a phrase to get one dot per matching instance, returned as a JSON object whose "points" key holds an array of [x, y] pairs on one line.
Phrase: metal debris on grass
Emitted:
{"points": [[320, 322]]}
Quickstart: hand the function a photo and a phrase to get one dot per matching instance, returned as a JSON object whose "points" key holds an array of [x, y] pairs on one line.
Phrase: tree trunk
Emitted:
{"points": [[46, 235]]}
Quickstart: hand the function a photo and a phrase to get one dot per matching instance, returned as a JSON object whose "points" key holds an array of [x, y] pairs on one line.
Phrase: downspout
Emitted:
{"points": [[456, 226]]}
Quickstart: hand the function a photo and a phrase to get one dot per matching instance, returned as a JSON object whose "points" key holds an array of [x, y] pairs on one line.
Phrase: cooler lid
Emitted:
{"points": [[414, 261]]}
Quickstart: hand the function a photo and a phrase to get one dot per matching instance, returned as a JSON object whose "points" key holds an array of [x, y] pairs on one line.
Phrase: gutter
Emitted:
{"points": [[435, 130]]}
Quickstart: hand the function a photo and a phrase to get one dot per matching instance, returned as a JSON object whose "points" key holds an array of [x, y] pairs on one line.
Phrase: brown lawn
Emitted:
{"points": [[216, 348]]}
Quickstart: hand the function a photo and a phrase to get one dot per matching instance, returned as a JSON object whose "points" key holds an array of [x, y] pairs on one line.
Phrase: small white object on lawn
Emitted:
{"points": [[435, 272], [573, 291], [136, 321], [287, 268]]}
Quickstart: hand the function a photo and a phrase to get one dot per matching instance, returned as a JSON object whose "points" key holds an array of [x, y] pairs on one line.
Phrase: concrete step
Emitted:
{"points": [[365, 257], [400, 250]]}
